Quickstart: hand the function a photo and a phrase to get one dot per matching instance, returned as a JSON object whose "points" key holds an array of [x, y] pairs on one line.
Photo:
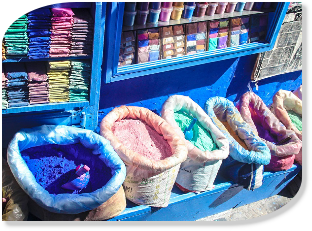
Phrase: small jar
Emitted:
{"points": [[240, 6], [166, 4], [248, 5], [230, 7], [142, 6], [211, 9], [141, 17], [188, 11], [200, 9], [154, 15], [130, 6], [155, 5], [176, 13], [178, 4], [221, 7], [129, 17], [165, 14]]}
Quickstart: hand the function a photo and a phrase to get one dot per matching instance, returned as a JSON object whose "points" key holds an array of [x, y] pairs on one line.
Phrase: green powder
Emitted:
{"points": [[296, 119], [201, 137]]}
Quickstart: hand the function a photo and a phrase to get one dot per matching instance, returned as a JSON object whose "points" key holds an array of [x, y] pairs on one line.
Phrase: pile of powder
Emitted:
{"points": [[296, 119], [201, 137], [141, 138], [234, 135], [54, 165]]}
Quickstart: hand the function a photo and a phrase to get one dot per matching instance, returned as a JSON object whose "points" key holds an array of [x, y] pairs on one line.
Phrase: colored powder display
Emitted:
{"points": [[54, 165], [296, 119], [265, 134], [201, 137], [234, 135], [141, 138]]}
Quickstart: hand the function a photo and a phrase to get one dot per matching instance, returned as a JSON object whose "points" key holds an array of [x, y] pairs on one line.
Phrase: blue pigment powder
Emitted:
{"points": [[54, 165]]}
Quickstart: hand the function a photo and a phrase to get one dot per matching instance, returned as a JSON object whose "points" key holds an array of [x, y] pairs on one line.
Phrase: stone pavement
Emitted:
{"points": [[259, 208]]}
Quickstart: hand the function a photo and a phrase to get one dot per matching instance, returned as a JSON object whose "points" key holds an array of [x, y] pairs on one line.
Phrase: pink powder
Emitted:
{"points": [[141, 138]]}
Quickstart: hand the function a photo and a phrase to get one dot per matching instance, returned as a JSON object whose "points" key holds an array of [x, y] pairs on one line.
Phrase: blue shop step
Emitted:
{"points": [[225, 195]]}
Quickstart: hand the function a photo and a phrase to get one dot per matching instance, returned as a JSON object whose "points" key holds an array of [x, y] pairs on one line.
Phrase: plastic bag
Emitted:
{"points": [[284, 101], [148, 182], [253, 110], [200, 169], [16, 208], [220, 110], [63, 135]]}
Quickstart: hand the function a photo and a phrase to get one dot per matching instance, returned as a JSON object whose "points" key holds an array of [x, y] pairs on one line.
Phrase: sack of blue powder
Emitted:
{"points": [[44, 159]]}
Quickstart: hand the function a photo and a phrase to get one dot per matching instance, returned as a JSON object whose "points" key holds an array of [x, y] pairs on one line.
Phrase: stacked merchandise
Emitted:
{"points": [[16, 39], [58, 75], [3, 50], [179, 40], [196, 37], [62, 25], [4, 92], [213, 35], [223, 33], [258, 27], [39, 33], [127, 48], [167, 42], [143, 46], [235, 28], [243, 38], [17, 90], [79, 81], [38, 83], [82, 33], [154, 44]]}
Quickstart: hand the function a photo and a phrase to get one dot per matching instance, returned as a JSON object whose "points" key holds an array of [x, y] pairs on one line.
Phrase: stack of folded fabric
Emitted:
{"points": [[258, 27], [79, 80], [4, 92], [143, 43], [61, 32], [3, 51], [154, 44], [82, 33], [213, 35], [127, 48], [38, 83], [179, 40], [196, 37], [16, 39], [167, 42], [243, 38], [223, 33], [58, 75], [17, 89], [235, 28], [39, 33]]}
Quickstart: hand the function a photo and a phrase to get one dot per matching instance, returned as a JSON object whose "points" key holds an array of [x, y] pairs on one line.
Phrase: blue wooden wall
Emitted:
{"points": [[228, 78]]}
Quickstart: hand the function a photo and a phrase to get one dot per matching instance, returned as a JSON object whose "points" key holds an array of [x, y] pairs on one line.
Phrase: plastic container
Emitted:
{"points": [[267, 5], [142, 6], [141, 17], [188, 11], [200, 9], [176, 13], [257, 5], [190, 4], [130, 6], [155, 5], [166, 4], [165, 14], [178, 4], [240, 6], [249, 5], [128, 19], [154, 15], [230, 7], [211, 9], [221, 7]]}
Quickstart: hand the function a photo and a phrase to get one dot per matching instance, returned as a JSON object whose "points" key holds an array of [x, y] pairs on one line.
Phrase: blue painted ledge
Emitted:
{"points": [[225, 195]]}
